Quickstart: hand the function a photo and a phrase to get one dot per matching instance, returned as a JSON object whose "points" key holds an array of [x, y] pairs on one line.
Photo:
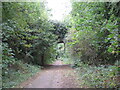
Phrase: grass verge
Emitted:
{"points": [[17, 73], [98, 77]]}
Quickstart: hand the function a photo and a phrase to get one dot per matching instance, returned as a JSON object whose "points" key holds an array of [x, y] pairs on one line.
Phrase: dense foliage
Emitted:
{"points": [[98, 77], [94, 36], [93, 44], [60, 30], [27, 32]]}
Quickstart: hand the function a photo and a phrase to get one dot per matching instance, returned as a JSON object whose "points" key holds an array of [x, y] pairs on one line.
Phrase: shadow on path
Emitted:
{"points": [[65, 66]]}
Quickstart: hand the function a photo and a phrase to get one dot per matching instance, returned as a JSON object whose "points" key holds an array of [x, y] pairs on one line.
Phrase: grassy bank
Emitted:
{"points": [[18, 73], [98, 77], [91, 76]]}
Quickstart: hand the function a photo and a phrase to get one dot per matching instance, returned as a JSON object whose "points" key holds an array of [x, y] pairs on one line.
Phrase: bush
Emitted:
{"points": [[98, 77], [17, 73]]}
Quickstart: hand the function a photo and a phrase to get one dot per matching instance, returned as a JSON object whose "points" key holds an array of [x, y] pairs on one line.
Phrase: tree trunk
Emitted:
{"points": [[42, 59]]}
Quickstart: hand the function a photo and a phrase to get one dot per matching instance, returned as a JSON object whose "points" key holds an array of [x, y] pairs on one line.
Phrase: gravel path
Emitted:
{"points": [[55, 76]]}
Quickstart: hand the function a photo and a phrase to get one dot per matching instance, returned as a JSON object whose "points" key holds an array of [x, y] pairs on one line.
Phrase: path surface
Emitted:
{"points": [[55, 76]]}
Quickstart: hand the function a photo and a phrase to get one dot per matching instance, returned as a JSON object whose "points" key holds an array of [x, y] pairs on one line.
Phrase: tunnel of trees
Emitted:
{"points": [[91, 35]]}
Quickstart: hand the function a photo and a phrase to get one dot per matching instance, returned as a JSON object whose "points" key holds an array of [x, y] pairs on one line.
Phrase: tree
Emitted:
{"points": [[94, 38], [27, 31]]}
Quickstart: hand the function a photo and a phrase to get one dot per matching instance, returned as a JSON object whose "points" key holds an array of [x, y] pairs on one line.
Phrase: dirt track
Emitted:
{"points": [[55, 76]]}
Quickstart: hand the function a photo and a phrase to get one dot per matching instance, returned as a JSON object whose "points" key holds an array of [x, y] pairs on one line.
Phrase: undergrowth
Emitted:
{"points": [[66, 60], [98, 77], [17, 73]]}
